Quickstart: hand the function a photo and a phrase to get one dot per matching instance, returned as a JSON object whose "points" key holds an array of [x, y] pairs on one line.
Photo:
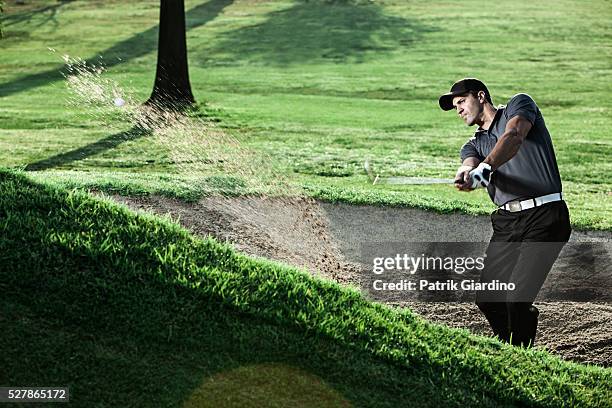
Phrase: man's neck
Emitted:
{"points": [[488, 114]]}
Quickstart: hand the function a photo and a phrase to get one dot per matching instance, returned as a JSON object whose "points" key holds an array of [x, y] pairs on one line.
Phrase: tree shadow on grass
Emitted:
{"points": [[34, 18], [311, 31], [109, 142], [162, 346], [134, 47]]}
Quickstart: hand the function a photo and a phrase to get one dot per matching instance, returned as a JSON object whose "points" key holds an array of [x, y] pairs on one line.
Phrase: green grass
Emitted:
{"points": [[131, 310], [317, 87]]}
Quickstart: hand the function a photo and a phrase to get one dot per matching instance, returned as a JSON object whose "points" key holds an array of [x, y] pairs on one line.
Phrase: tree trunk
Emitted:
{"points": [[172, 87]]}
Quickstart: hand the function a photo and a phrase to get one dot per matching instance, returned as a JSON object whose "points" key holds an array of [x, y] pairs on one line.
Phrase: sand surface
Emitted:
{"points": [[326, 238]]}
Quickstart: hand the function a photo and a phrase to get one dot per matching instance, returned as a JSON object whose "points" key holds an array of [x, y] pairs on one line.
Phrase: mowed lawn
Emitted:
{"points": [[317, 87]]}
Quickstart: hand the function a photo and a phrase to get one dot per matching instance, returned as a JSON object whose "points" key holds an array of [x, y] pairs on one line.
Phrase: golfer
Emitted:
{"points": [[511, 155]]}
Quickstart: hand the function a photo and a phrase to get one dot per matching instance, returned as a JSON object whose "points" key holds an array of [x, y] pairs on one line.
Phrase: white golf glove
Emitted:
{"points": [[481, 175]]}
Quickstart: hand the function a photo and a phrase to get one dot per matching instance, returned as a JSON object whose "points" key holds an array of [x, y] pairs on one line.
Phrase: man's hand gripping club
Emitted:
{"points": [[473, 174], [481, 175]]}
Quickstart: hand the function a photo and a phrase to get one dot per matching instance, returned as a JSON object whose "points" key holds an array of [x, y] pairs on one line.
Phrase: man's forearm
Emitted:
{"points": [[471, 162], [506, 148], [509, 142]]}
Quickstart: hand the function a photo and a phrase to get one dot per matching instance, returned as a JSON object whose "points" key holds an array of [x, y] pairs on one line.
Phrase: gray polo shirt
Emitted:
{"points": [[533, 171]]}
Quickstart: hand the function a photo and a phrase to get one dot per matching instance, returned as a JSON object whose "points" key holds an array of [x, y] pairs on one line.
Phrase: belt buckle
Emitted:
{"points": [[514, 206]]}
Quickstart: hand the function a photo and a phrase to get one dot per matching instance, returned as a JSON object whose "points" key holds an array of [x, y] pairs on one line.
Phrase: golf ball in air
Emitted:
{"points": [[119, 102]]}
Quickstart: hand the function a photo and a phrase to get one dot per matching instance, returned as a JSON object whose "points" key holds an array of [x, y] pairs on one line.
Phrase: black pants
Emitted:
{"points": [[523, 248]]}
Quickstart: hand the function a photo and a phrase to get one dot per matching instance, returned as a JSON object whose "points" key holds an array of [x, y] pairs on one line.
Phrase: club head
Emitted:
{"points": [[370, 173]]}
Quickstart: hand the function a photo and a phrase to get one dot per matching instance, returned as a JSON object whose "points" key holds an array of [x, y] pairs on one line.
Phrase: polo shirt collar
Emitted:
{"points": [[498, 113]]}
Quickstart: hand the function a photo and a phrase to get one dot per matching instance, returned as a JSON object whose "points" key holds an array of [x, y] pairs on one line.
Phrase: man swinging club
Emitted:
{"points": [[512, 156]]}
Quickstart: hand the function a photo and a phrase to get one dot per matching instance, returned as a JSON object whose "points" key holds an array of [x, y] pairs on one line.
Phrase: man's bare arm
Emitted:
{"points": [[509, 142]]}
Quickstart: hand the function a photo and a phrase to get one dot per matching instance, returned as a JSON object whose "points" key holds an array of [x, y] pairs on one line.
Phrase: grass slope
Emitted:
{"points": [[131, 310], [318, 86]]}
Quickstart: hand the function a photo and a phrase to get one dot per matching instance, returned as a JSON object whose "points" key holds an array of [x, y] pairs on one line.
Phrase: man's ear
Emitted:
{"points": [[482, 98]]}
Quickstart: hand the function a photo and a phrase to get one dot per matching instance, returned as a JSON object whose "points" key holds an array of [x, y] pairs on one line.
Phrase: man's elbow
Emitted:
{"points": [[516, 137]]}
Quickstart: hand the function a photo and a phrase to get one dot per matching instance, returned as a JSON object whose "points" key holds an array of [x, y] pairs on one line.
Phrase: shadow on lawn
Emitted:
{"points": [[44, 16], [310, 31], [124, 51], [109, 142], [146, 344]]}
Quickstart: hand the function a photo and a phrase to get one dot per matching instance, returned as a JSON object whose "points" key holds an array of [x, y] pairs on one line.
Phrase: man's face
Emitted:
{"points": [[468, 107]]}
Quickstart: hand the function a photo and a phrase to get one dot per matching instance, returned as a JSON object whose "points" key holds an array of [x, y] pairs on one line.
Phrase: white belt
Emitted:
{"points": [[516, 206]]}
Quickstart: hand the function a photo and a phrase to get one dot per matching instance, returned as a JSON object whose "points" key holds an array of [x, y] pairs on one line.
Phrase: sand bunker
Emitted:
{"points": [[325, 239]]}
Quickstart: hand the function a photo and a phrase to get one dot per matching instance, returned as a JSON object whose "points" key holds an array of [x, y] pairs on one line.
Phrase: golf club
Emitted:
{"points": [[376, 179]]}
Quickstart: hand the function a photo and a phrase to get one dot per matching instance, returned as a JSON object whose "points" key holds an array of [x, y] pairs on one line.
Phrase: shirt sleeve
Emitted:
{"points": [[469, 149], [523, 105]]}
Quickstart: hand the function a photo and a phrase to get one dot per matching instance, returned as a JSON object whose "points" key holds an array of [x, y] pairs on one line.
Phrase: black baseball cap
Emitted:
{"points": [[462, 87]]}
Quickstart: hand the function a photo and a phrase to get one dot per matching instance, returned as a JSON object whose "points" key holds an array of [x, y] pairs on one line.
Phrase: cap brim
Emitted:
{"points": [[446, 101]]}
